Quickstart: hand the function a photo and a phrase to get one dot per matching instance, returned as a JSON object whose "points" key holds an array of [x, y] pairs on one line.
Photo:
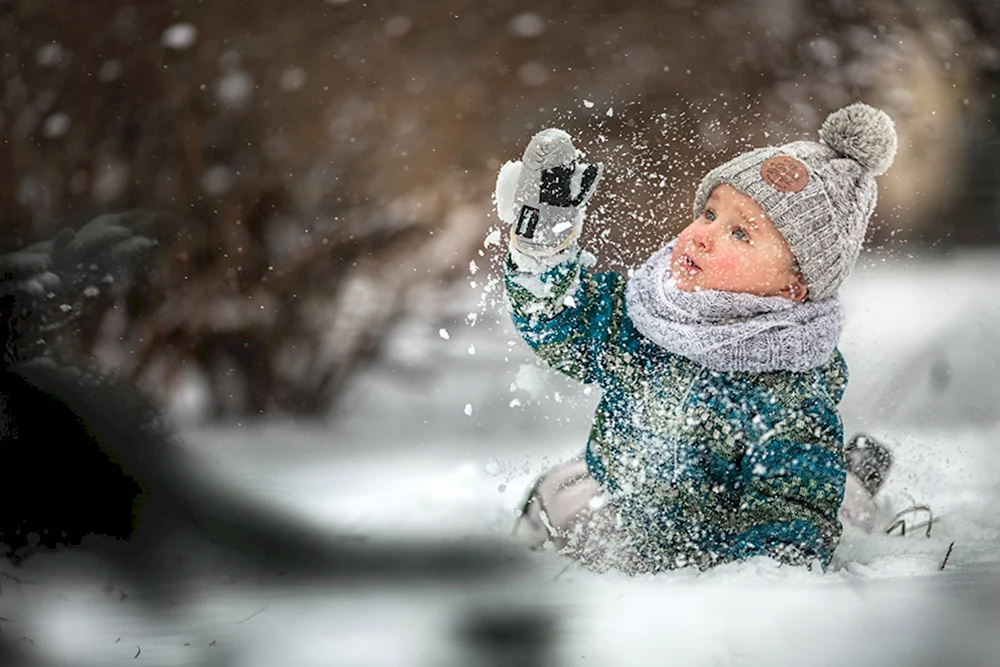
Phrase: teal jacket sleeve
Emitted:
{"points": [[573, 319], [793, 479]]}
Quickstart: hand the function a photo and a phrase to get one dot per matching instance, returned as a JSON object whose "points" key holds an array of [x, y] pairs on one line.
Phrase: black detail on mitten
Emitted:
{"points": [[556, 185], [527, 222]]}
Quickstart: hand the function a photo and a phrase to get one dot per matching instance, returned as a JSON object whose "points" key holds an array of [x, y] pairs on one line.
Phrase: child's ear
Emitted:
{"points": [[797, 290]]}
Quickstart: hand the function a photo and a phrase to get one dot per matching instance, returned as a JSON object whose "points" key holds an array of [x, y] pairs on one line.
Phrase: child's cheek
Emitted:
{"points": [[734, 272], [684, 238], [726, 266], [682, 244]]}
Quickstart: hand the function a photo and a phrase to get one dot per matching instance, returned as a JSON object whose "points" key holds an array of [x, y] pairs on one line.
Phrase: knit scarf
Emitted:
{"points": [[730, 331]]}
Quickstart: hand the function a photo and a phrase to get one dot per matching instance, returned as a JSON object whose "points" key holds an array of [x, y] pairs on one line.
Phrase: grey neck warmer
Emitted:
{"points": [[729, 331]]}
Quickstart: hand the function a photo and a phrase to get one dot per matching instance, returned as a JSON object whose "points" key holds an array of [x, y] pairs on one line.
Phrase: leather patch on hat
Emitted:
{"points": [[784, 173]]}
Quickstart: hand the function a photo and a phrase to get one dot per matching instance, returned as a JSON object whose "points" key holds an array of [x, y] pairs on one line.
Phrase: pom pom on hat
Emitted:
{"points": [[863, 133]]}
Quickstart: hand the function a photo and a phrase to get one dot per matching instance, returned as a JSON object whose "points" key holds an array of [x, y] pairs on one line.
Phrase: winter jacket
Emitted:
{"points": [[707, 467]]}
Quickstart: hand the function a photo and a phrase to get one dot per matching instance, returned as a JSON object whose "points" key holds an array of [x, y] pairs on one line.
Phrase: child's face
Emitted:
{"points": [[733, 247]]}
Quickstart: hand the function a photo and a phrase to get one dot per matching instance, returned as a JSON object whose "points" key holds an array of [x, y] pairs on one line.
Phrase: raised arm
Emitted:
{"points": [[572, 318]]}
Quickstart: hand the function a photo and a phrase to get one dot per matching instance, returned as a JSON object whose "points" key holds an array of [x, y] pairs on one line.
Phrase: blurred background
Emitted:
{"points": [[323, 310], [327, 165]]}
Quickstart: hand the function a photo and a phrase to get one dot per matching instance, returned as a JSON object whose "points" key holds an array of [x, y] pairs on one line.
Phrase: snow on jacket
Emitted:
{"points": [[706, 466]]}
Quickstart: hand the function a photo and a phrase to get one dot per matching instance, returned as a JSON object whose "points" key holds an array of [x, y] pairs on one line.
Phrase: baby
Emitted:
{"points": [[717, 437]]}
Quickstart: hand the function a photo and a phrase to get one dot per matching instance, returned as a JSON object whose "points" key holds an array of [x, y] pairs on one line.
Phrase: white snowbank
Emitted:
{"points": [[403, 460]]}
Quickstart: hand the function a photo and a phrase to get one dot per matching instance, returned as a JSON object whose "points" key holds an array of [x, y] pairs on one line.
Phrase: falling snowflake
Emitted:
{"points": [[179, 36]]}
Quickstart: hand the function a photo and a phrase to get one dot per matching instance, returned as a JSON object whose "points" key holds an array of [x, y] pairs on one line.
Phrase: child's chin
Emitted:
{"points": [[685, 284]]}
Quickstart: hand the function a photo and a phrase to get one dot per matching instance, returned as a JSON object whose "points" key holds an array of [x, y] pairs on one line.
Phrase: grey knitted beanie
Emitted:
{"points": [[820, 195]]}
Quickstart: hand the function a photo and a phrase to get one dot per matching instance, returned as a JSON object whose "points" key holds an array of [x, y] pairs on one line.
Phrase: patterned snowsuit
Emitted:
{"points": [[701, 467]]}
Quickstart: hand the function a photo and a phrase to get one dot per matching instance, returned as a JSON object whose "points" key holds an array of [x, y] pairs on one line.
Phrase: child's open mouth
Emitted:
{"points": [[687, 264]]}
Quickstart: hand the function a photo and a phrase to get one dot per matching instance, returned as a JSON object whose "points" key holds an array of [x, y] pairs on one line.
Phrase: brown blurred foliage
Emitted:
{"points": [[324, 162]]}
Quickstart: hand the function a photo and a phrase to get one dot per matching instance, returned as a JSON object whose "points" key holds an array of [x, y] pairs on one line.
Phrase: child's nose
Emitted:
{"points": [[701, 235]]}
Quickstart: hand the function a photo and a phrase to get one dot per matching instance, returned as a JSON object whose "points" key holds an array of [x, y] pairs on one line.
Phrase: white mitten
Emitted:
{"points": [[552, 192]]}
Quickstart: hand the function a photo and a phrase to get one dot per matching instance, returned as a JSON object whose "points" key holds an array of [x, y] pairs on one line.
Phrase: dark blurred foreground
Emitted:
{"points": [[96, 470]]}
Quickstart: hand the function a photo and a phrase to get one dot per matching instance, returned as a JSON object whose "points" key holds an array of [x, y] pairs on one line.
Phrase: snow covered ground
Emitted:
{"points": [[445, 435]]}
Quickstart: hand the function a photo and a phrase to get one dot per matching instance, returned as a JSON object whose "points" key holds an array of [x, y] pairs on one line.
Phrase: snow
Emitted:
{"points": [[533, 73], [527, 24], [503, 194], [235, 88], [56, 125], [110, 180], [50, 54], [110, 70], [398, 26], [492, 239], [180, 36], [529, 378], [218, 179], [293, 78], [428, 471]]}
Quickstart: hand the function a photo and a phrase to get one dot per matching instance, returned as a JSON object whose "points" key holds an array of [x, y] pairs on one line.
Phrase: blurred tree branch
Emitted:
{"points": [[319, 162]]}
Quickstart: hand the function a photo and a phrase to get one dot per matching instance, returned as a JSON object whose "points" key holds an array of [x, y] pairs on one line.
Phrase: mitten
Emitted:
{"points": [[552, 191]]}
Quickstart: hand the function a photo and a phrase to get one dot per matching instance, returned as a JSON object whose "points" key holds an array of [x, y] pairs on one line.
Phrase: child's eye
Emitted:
{"points": [[710, 215], [741, 234]]}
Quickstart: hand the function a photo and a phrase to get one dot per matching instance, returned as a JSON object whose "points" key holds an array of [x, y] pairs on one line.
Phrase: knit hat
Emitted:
{"points": [[819, 195]]}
